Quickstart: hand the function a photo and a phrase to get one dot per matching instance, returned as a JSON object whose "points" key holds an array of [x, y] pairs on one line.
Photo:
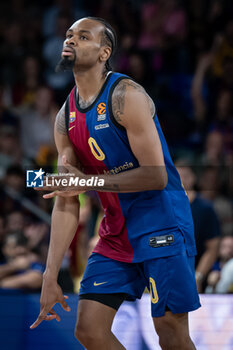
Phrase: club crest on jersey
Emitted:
{"points": [[101, 111], [72, 117]]}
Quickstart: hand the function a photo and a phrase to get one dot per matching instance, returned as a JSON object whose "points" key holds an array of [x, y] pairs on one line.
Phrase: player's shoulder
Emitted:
{"points": [[127, 84], [128, 90]]}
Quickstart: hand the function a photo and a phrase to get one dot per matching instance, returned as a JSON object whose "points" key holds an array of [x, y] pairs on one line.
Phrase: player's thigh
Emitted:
{"points": [[107, 276], [93, 318]]}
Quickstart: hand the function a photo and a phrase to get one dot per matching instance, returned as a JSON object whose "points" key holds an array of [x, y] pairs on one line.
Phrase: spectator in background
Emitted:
{"points": [[11, 52], [206, 225], [163, 24], [37, 234], [211, 184], [224, 109], [22, 268], [52, 48], [15, 221], [37, 123], [10, 148], [14, 180], [31, 26], [223, 122], [224, 49], [2, 236], [200, 35], [226, 81], [215, 15], [51, 14], [199, 102], [24, 92], [214, 74], [220, 279], [138, 68], [213, 150], [7, 117]]}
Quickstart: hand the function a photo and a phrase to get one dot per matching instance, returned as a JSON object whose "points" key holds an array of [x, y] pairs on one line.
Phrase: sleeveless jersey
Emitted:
{"points": [[130, 219]]}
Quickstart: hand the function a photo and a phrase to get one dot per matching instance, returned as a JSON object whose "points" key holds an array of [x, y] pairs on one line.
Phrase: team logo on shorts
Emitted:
{"points": [[72, 117], [101, 111]]}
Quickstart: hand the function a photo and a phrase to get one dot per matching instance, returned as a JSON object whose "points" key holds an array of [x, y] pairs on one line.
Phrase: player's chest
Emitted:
{"points": [[91, 132]]}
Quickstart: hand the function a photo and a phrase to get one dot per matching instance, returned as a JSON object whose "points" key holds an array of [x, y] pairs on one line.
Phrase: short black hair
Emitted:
{"points": [[109, 38]]}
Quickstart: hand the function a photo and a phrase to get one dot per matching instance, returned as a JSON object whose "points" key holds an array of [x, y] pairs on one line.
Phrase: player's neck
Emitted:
{"points": [[89, 84]]}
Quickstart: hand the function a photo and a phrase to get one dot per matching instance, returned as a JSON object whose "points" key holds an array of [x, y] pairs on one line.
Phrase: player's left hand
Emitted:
{"points": [[71, 169]]}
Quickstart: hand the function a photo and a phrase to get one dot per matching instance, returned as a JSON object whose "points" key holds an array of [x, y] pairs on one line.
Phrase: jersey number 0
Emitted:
{"points": [[95, 149]]}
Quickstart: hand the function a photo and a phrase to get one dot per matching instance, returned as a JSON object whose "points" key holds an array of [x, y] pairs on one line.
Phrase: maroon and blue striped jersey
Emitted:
{"points": [[131, 220]]}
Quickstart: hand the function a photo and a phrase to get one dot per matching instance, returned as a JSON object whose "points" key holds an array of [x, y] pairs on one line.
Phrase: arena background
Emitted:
{"points": [[181, 51]]}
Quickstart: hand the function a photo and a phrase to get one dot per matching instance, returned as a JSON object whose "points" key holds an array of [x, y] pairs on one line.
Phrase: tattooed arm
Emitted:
{"points": [[134, 110], [121, 93]]}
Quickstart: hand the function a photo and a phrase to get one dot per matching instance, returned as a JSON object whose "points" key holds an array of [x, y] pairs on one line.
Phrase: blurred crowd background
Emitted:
{"points": [[182, 53]]}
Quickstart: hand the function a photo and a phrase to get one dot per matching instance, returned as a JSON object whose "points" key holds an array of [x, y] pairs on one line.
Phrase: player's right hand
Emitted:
{"points": [[50, 295], [64, 194]]}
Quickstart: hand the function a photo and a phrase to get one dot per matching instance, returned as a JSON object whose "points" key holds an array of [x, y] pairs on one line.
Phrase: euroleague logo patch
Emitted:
{"points": [[72, 117], [101, 108], [101, 111]]}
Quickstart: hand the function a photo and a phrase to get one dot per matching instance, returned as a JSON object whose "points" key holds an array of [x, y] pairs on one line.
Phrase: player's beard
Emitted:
{"points": [[65, 64]]}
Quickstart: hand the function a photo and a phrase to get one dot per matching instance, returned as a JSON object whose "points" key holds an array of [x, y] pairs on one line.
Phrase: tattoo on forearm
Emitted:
{"points": [[118, 98], [110, 188], [60, 121]]}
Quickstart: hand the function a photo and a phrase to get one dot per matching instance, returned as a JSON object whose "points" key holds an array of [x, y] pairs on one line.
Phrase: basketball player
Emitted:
{"points": [[110, 124]]}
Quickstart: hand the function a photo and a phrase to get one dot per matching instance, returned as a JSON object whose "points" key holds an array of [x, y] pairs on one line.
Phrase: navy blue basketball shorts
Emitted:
{"points": [[170, 280]]}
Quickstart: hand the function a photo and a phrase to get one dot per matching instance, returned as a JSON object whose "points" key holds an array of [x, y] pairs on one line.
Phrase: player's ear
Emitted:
{"points": [[105, 53]]}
